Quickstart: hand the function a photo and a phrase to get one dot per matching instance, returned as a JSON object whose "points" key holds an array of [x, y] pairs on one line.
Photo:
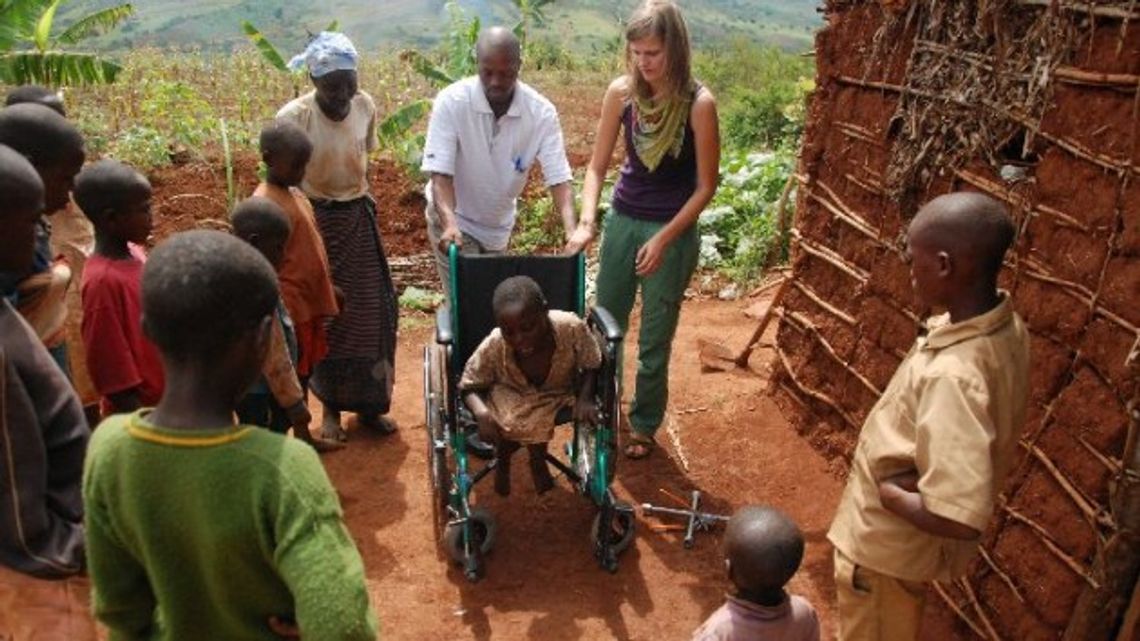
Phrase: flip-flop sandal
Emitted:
{"points": [[639, 446]]}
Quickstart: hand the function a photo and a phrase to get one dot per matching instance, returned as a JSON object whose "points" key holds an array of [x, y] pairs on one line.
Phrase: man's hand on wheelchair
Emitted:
{"points": [[450, 235], [579, 239]]}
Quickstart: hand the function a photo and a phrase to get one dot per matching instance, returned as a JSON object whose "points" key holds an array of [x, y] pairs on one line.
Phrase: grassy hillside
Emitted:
{"points": [[581, 25]]}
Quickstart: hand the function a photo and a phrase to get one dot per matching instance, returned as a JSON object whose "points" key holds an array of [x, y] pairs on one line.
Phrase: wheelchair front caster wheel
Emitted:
{"points": [[618, 532], [481, 531]]}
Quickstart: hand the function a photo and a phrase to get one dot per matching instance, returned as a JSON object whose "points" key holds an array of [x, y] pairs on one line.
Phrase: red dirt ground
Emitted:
{"points": [[542, 581]]}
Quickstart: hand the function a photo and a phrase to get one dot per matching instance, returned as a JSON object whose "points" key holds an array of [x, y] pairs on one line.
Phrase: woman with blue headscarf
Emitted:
{"points": [[357, 374]]}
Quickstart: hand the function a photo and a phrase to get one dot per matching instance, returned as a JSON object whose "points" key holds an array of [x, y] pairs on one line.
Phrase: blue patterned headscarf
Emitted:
{"points": [[328, 52]]}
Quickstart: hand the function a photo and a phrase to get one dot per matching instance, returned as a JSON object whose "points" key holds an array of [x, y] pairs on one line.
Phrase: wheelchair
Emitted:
{"points": [[467, 532]]}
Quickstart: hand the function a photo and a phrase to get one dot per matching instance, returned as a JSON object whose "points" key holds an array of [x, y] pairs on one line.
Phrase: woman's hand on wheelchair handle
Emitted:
{"points": [[579, 239]]}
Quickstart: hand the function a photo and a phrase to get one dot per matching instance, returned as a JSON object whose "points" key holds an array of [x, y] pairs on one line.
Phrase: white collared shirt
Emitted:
{"points": [[490, 160]]}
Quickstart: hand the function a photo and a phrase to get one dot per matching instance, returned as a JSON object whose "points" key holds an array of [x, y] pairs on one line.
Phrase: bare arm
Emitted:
{"points": [[577, 236], [443, 197], [900, 496], [706, 133], [609, 125]]}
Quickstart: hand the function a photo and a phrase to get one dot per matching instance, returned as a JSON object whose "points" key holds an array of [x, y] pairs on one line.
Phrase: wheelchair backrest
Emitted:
{"points": [[475, 277]]}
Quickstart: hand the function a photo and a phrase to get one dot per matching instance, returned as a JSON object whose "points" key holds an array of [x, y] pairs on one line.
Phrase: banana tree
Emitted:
{"points": [[32, 54], [530, 14], [459, 61]]}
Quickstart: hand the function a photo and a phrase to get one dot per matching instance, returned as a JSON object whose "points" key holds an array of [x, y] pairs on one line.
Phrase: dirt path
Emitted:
{"points": [[542, 581]]}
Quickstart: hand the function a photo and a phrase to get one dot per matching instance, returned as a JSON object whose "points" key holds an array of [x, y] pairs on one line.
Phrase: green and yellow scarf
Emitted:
{"points": [[659, 127]]}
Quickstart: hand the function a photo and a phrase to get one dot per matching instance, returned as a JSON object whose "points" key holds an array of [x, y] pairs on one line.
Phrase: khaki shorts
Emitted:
{"points": [[876, 607], [34, 609], [470, 246]]}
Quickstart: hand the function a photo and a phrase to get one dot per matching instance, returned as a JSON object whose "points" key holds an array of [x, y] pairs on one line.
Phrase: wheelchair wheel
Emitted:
{"points": [[615, 536], [435, 404], [482, 528]]}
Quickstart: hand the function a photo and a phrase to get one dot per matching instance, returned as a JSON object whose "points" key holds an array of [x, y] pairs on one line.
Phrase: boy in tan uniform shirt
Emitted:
{"points": [[936, 448]]}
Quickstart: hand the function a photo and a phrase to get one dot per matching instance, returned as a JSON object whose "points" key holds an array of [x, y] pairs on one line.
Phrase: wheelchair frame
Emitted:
{"points": [[467, 533]]}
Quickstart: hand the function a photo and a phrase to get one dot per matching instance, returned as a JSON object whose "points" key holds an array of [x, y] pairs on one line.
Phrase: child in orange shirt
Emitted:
{"points": [[305, 280]]}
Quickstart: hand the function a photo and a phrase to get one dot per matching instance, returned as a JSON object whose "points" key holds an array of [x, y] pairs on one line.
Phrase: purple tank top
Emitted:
{"points": [[660, 194]]}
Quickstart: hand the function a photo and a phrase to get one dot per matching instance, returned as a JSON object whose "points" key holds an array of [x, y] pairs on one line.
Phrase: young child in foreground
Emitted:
{"points": [[198, 527], [42, 595], [276, 401], [938, 445], [763, 549], [306, 282], [124, 365], [537, 362]]}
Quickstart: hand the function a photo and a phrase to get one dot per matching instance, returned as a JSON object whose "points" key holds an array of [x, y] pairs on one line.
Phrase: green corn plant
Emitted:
{"points": [[31, 54]]}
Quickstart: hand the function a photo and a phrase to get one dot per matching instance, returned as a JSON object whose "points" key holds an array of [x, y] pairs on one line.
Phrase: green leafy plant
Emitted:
{"points": [[740, 232], [395, 133], [31, 54], [530, 14]]}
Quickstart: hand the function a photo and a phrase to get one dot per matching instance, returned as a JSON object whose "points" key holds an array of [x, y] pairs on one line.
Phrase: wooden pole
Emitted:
{"points": [[1099, 611]]}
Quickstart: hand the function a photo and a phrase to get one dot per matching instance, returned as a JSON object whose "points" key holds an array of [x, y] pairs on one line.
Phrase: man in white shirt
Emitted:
{"points": [[484, 135]]}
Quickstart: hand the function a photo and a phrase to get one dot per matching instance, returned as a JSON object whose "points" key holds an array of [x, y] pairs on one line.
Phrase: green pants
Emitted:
{"points": [[661, 295]]}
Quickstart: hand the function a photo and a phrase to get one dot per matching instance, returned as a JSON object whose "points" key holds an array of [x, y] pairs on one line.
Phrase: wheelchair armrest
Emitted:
{"points": [[604, 320], [443, 334]]}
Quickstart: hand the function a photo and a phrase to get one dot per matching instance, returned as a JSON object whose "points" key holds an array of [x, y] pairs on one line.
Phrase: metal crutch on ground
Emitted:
{"points": [[697, 520]]}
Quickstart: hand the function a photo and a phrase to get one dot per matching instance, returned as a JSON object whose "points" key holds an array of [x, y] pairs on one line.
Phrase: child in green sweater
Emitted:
{"points": [[197, 527]]}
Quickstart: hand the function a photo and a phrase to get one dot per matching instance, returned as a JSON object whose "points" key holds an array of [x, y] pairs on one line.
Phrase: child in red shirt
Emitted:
{"points": [[124, 365]]}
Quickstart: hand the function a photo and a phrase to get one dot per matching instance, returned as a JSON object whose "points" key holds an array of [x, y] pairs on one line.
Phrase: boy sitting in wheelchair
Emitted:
{"points": [[534, 366]]}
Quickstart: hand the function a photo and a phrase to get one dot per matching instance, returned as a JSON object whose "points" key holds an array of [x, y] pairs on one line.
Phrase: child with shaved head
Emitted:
{"points": [[199, 527], [276, 401], [936, 449], [763, 549], [41, 452], [304, 274], [534, 364], [123, 364], [55, 148]]}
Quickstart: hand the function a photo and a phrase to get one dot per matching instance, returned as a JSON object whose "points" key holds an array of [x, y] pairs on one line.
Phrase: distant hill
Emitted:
{"points": [[580, 25]]}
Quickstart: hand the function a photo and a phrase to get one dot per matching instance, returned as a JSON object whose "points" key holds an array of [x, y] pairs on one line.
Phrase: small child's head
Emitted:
{"points": [[955, 245], [116, 199], [36, 94], [261, 223], [763, 550], [207, 301], [51, 143], [520, 311], [22, 205], [285, 150]]}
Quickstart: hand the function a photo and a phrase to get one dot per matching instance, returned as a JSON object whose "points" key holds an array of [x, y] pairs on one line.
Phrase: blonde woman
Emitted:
{"points": [[669, 124]]}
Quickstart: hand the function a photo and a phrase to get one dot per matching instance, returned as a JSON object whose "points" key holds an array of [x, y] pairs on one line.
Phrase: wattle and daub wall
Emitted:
{"points": [[1034, 102]]}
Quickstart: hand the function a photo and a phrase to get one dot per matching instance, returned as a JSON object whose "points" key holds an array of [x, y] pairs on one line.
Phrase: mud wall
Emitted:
{"points": [[1035, 103]]}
